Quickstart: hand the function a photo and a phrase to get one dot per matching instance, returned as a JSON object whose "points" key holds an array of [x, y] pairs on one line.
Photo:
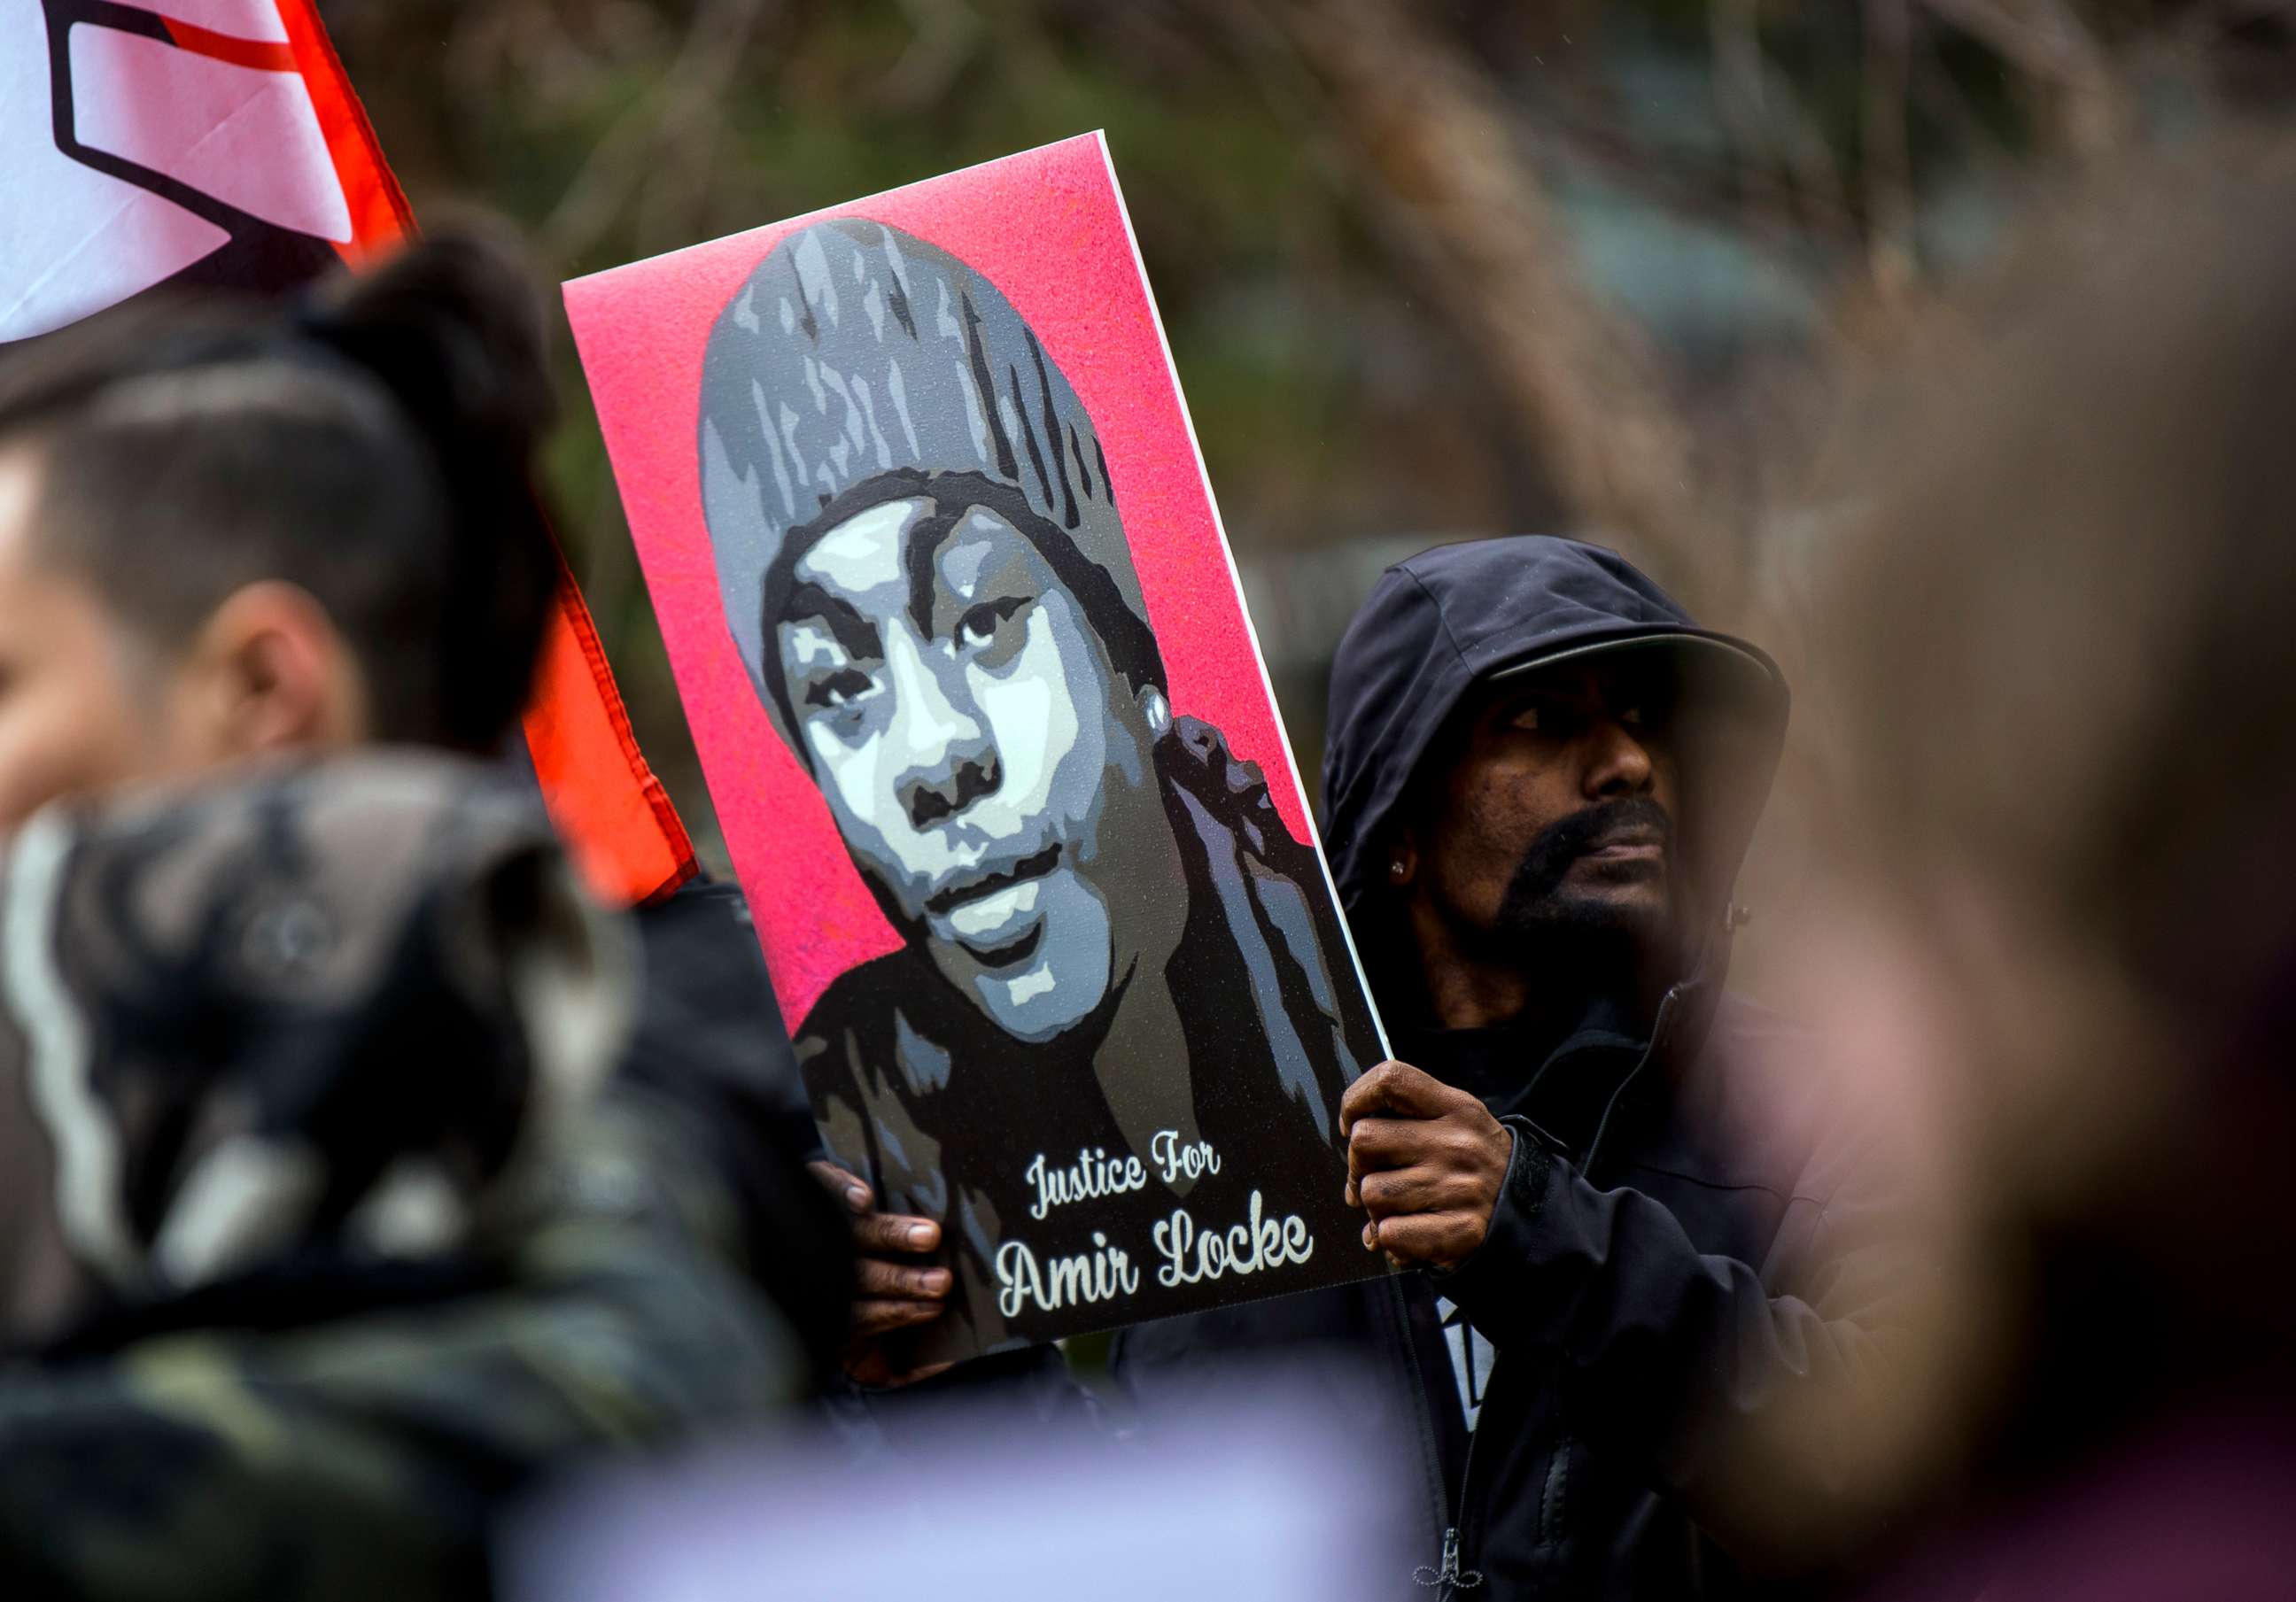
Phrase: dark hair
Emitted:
{"points": [[373, 444]]}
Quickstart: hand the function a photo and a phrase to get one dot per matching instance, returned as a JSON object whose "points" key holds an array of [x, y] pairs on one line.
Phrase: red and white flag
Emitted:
{"points": [[219, 142]]}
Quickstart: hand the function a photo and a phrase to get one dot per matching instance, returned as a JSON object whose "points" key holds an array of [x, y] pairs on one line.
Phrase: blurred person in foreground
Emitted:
{"points": [[320, 1235], [1541, 778], [2061, 697]]}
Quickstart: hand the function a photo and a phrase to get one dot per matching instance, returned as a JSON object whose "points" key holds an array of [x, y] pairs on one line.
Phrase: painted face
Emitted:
{"points": [[984, 762]]}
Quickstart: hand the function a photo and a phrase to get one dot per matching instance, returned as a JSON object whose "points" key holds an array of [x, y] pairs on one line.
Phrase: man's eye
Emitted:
{"points": [[1526, 718], [1632, 717], [978, 626], [838, 690]]}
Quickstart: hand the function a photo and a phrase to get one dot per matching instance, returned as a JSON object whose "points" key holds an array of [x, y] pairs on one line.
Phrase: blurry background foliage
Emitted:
{"points": [[1429, 270]]}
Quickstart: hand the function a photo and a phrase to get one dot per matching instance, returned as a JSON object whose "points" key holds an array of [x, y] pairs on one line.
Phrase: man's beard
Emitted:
{"points": [[1535, 904]]}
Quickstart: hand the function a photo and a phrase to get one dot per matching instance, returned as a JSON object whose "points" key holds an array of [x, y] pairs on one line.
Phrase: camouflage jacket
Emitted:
{"points": [[323, 1230]]}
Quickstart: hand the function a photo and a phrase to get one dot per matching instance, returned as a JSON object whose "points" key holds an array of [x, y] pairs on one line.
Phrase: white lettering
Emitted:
{"points": [[1092, 1175], [1194, 1158], [1100, 1275], [1253, 1247]]}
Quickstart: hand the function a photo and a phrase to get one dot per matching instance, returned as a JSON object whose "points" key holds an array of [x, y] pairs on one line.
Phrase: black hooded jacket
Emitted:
{"points": [[1675, 1247]]}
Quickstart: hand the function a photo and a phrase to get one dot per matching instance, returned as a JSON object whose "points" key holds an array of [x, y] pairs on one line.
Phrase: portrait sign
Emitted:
{"points": [[992, 744]]}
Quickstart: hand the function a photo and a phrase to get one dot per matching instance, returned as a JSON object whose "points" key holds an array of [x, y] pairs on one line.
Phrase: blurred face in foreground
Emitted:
{"points": [[1555, 814], [981, 757], [82, 701], [88, 703]]}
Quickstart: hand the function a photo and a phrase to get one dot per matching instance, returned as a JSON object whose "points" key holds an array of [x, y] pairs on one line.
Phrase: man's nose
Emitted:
{"points": [[1619, 764], [946, 758]]}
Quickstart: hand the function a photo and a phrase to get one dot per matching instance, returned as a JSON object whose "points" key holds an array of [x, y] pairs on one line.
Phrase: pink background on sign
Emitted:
{"points": [[1047, 228]]}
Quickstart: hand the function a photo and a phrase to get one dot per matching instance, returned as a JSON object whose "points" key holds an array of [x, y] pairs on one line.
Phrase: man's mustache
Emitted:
{"points": [[1562, 843]]}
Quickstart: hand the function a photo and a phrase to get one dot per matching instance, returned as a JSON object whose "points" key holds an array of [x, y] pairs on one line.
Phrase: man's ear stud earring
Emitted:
{"points": [[1395, 869], [1158, 711]]}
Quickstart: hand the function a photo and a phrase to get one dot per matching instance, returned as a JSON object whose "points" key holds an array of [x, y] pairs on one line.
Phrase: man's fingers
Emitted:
{"points": [[893, 1281], [872, 1319], [895, 1233], [1438, 1238], [1394, 1088], [1423, 1189], [844, 1185], [1377, 1143]]}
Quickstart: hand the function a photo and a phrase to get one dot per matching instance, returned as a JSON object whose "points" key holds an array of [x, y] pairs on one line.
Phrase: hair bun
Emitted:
{"points": [[453, 326], [453, 329]]}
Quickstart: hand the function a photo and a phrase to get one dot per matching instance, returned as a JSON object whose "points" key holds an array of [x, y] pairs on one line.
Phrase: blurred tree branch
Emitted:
{"points": [[659, 151], [1763, 115], [947, 31], [1438, 163], [2048, 42], [1887, 158]]}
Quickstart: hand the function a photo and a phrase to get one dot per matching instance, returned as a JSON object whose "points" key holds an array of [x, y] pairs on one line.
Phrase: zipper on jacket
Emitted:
{"points": [[1448, 1580], [1398, 1299]]}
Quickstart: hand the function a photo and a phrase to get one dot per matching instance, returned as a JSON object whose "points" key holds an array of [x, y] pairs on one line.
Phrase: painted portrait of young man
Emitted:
{"points": [[1105, 1039]]}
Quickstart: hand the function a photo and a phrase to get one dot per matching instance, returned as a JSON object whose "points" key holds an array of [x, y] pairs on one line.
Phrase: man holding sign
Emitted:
{"points": [[1540, 780]]}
